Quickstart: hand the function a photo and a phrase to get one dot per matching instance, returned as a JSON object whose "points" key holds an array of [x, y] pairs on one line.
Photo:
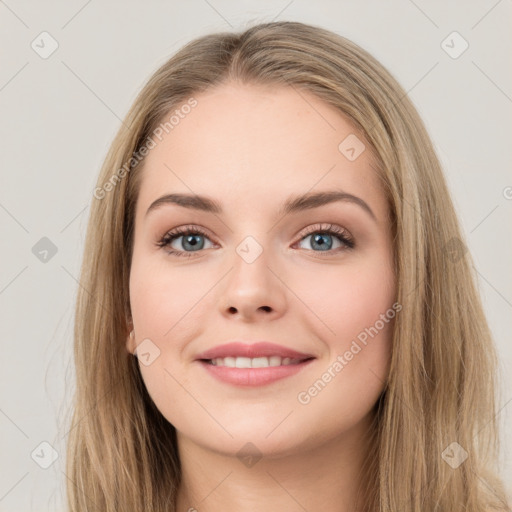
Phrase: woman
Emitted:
{"points": [[277, 307]]}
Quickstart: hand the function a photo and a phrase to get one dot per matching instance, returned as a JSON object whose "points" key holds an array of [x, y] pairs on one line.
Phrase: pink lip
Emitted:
{"points": [[260, 349], [253, 376]]}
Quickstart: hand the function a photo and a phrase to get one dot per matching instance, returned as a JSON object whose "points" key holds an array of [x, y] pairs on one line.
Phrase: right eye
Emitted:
{"points": [[190, 239]]}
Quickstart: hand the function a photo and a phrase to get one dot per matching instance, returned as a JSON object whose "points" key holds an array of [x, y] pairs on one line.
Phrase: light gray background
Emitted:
{"points": [[59, 115]]}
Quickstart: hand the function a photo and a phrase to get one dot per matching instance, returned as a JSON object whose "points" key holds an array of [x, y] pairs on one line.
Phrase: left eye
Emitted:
{"points": [[322, 241], [324, 238]]}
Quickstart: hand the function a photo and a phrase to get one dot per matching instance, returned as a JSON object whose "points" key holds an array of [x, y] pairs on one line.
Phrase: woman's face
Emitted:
{"points": [[262, 265]]}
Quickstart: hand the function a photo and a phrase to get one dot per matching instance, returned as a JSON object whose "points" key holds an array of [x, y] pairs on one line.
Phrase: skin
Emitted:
{"points": [[251, 147]]}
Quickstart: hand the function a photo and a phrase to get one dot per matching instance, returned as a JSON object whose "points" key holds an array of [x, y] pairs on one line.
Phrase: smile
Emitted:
{"points": [[249, 372], [256, 362]]}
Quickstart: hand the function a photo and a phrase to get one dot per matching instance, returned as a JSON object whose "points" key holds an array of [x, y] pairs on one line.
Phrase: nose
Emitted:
{"points": [[253, 291]]}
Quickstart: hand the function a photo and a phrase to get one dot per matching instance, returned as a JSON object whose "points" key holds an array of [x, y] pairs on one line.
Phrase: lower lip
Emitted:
{"points": [[254, 376]]}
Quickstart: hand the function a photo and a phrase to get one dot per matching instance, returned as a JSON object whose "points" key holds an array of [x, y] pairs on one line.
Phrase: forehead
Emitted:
{"points": [[252, 145]]}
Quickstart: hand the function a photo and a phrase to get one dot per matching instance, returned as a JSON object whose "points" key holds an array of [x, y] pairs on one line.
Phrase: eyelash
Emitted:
{"points": [[328, 229]]}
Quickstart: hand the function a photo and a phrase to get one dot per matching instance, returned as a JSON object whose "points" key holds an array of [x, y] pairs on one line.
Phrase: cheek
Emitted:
{"points": [[349, 299], [162, 304], [161, 298], [360, 314], [165, 305], [354, 309]]}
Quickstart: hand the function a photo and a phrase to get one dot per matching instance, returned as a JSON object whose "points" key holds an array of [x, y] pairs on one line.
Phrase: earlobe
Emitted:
{"points": [[130, 342]]}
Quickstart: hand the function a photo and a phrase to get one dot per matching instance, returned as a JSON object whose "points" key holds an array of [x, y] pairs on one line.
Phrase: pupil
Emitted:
{"points": [[192, 241], [320, 241]]}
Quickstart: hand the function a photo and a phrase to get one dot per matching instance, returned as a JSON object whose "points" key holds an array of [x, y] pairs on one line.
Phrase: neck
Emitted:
{"points": [[326, 477]]}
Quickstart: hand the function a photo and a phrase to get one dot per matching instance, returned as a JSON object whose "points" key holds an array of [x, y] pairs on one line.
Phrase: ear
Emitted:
{"points": [[130, 342]]}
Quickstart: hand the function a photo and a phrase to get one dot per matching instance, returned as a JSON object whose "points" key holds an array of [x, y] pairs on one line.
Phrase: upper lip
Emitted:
{"points": [[259, 349]]}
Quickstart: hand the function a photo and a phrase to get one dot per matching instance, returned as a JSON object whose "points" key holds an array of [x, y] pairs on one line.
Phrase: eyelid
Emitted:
{"points": [[322, 227], [184, 230]]}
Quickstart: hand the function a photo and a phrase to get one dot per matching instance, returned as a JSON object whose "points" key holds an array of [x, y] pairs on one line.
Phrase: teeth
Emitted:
{"points": [[259, 362], [256, 362], [243, 362]]}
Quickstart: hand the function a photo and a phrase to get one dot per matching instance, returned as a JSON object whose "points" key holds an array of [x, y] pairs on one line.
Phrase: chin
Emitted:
{"points": [[264, 438]]}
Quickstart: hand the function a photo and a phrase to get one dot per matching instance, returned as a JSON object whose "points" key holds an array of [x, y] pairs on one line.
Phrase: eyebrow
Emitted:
{"points": [[292, 205]]}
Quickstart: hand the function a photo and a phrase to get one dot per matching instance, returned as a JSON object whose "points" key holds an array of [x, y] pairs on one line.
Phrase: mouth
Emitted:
{"points": [[255, 362], [249, 376], [259, 354]]}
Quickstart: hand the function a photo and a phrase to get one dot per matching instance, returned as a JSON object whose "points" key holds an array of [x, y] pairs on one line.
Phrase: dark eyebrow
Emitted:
{"points": [[292, 205], [193, 202], [316, 199]]}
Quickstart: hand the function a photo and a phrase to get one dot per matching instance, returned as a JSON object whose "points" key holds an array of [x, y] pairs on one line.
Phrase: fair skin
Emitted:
{"points": [[250, 148]]}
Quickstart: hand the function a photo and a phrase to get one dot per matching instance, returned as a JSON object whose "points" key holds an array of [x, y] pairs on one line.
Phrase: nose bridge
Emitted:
{"points": [[251, 285], [251, 264], [250, 249]]}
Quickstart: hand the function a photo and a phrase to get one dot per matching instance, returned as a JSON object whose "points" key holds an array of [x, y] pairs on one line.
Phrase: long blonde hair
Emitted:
{"points": [[122, 453]]}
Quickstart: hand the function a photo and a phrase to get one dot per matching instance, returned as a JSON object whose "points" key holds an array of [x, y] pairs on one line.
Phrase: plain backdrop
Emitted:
{"points": [[59, 113]]}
